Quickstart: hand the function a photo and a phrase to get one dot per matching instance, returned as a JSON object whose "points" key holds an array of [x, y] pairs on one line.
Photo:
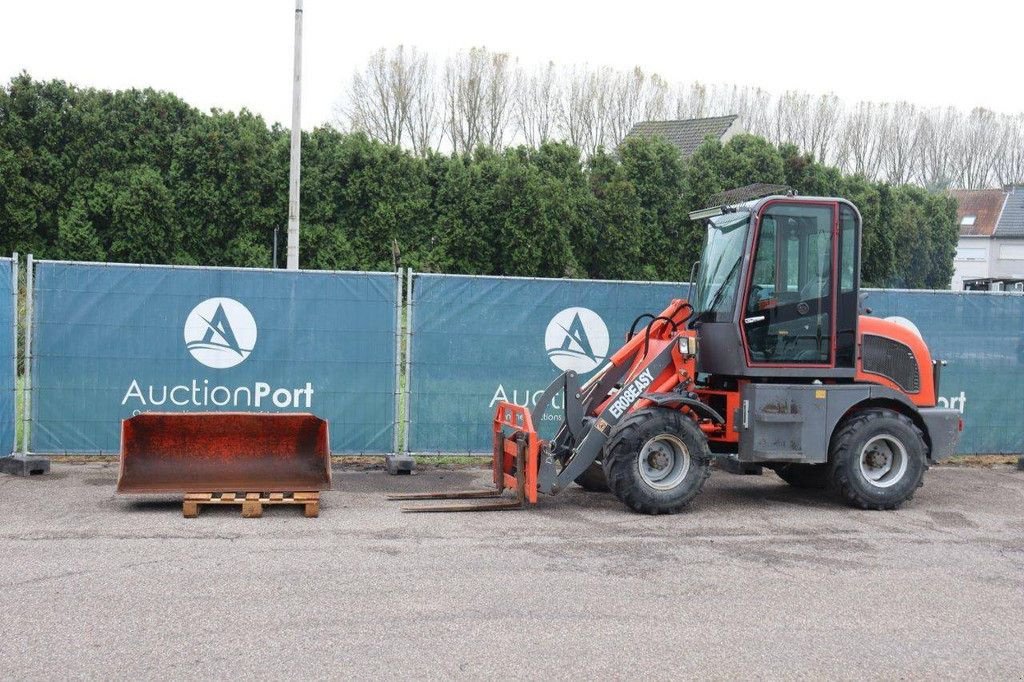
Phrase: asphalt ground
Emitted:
{"points": [[757, 580]]}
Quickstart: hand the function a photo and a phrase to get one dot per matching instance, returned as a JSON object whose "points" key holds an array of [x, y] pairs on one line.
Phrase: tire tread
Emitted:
{"points": [[839, 457]]}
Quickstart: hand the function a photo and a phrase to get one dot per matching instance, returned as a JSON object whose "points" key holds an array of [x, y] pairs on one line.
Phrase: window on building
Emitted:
{"points": [[968, 220], [1011, 251], [971, 253]]}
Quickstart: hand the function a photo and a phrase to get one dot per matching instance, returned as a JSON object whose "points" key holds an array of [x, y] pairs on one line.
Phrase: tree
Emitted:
{"points": [[901, 133], [478, 93], [656, 171], [537, 98], [619, 250], [861, 143], [1009, 163], [380, 98], [140, 176], [938, 134], [142, 221], [533, 235], [76, 237], [977, 150]]}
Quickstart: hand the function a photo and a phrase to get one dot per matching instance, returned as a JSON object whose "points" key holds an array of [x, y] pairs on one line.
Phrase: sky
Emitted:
{"points": [[231, 54]]}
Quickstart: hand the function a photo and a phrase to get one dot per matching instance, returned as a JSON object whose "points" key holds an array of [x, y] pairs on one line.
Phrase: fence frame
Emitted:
{"points": [[27, 404], [14, 356], [405, 307], [398, 363], [29, 356], [409, 335]]}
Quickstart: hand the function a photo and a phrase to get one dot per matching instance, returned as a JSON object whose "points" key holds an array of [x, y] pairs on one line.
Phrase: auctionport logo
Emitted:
{"points": [[220, 333], [577, 340]]}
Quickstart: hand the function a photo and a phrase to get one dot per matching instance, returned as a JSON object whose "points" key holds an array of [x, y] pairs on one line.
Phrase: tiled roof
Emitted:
{"points": [[1011, 222], [686, 134], [984, 204]]}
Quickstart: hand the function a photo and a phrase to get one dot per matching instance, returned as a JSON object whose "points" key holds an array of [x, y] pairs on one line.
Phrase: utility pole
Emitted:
{"points": [[296, 153]]}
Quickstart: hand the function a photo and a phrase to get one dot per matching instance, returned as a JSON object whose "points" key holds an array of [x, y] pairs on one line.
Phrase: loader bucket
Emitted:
{"points": [[224, 452]]}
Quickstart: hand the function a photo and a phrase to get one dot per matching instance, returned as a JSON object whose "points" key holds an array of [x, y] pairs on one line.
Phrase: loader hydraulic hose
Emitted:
{"points": [[632, 327], [647, 332]]}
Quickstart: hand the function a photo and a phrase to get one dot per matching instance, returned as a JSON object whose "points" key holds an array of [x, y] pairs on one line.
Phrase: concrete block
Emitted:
{"points": [[399, 464], [21, 465]]}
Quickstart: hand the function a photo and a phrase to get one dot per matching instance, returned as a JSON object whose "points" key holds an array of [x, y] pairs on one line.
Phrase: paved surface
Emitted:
{"points": [[757, 580]]}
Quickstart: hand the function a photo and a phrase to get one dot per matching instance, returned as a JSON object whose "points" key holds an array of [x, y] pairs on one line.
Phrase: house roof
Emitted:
{"points": [[1011, 221], [984, 204], [686, 134]]}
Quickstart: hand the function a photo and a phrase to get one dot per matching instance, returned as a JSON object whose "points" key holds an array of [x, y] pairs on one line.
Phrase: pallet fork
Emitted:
{"points": [[515, 461]]}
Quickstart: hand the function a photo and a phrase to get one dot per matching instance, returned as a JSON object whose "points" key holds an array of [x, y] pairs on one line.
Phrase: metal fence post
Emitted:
{"points": [[21, 464], [26, 391], [409, 301], [14, 340], [400, 462], [398, 361]]}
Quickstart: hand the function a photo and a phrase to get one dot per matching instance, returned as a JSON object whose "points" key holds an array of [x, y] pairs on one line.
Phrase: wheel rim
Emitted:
{"points": [[883, 461], [663, 462]]}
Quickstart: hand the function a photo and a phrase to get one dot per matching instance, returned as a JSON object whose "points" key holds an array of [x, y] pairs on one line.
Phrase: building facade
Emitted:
{"points": [[990, 249]]}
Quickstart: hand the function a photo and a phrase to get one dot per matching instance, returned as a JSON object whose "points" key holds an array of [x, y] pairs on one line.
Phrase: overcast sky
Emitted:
{"points": [[233, 53]]}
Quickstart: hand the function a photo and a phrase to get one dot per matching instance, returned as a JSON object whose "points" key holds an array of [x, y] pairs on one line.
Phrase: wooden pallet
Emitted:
{"points": [[252, 503]]}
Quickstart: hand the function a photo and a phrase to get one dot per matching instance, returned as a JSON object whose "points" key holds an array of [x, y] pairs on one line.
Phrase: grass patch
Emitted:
{"points": [[19, 412], [980, 461]]}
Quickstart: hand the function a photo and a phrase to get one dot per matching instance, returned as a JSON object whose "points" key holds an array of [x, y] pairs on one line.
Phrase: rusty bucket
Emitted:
{"points": [[224, 452]]}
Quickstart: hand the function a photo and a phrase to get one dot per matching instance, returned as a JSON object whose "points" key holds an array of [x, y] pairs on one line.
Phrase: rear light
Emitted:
{"points": [[960, 424]]}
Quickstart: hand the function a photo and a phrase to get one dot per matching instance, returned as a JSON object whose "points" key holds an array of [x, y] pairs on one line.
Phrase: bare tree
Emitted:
{"points": [[499, 87], [900, 131], [381, 96], [977, 150], [938, 138], [626, 103], [657, 103], [1009, 162], [479, 93], [752, 105], [537, 103], [602, 84], [861, 140], [577, 107], [465, 98], [820, 132], [423, 124], [692, 101], [482, 97]]}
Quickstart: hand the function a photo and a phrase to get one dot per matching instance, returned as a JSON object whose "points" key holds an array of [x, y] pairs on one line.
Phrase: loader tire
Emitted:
{"points": [[593, 479], [806, 476], [656, 461], [877, 459]]}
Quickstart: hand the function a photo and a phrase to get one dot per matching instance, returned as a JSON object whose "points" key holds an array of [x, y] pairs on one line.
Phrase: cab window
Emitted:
{"points": [[788, 313]]}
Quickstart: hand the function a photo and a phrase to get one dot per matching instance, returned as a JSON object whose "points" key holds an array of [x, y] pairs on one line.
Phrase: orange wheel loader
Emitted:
{"points": [[772, 362]]}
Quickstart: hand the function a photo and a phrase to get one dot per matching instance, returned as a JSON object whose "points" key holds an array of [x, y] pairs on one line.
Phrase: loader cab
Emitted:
{"points": [[776, 291]]}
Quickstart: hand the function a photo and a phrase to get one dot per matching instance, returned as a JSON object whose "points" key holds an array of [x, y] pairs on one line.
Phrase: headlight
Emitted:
{"points": [[687, 345]]}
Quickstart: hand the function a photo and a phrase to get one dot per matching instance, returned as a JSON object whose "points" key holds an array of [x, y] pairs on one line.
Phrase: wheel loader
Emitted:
{"points": [[772, 362]]}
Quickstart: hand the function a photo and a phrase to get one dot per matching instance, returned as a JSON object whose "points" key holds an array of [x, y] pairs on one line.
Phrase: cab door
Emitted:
{"points": [[789, 313]]}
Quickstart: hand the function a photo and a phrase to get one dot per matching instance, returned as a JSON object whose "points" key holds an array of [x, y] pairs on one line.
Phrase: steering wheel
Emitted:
{"points": [[814, 289]]}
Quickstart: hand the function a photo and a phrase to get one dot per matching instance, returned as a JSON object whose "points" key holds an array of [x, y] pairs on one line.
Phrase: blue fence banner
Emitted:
{"points": [[981, 337], [8, 346], [110, 341], [478, 340]]}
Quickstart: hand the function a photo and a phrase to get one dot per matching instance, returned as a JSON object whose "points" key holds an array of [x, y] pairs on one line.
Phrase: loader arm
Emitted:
{"points": [[649, 362]]}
